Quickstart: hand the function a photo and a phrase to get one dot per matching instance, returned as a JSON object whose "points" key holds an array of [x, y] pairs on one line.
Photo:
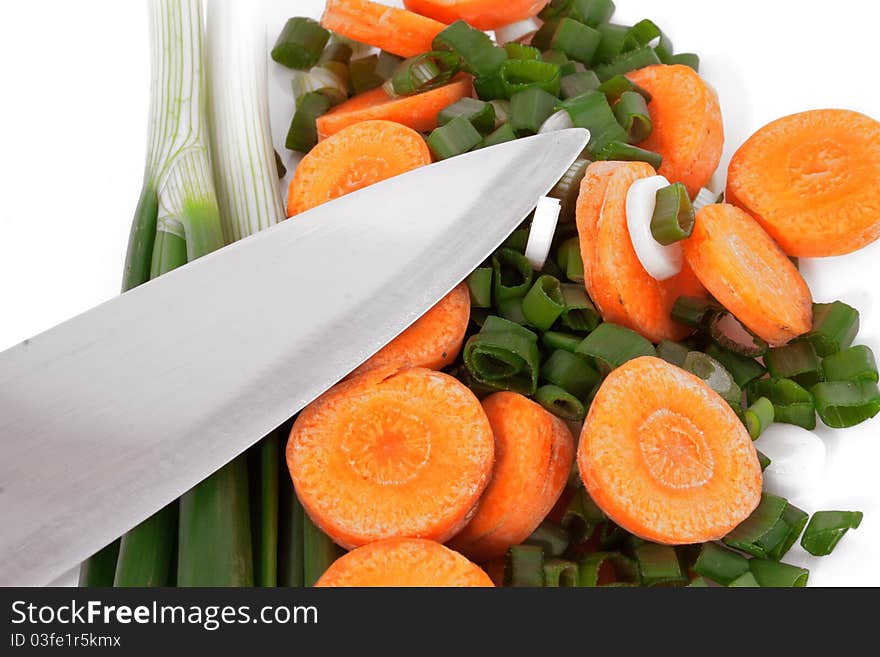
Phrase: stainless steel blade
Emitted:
{"points": [[113, 414]]}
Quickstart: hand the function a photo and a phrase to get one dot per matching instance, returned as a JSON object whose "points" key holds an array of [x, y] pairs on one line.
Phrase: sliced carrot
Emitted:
{"points": [[391, 454], [688, 130], [812, 180], [399, 562], [620, 287], [418, 112], [534, 454], [356, 157], [396, 30], [745, 270], [433, 341], [665, 457], [481, 14]]}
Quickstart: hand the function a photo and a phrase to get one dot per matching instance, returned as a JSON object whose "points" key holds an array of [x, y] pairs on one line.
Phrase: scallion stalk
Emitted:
{"points": [[826, 528], [614, 345]]}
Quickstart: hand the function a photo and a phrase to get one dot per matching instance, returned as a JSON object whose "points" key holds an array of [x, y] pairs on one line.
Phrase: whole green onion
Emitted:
{"points": [[843, 404], [719, 564], [480, 113], [480, 56], [455, 138], [622, 152], [503, 356], [319, 552], [673, 219], [525, 566], [632, 114], [614, 345], [300, 43], [826, 528], [424, 72], [560, 403], [852, 364], [480, 287], [796, 361], [290, 527], [835, 327], [792, 404], [770, 574]]}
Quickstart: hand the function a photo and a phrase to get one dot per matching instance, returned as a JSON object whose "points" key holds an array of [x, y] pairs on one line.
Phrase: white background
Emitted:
{"points": [[73, 115]]}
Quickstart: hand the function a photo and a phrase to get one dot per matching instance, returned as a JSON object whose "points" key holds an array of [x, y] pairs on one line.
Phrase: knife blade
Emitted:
{"points": [[111, 415]]}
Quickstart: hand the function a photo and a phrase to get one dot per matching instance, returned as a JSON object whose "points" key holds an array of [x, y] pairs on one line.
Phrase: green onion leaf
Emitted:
{"points": [[512, 310], [835, 327], [611, 42], [300, 43], [615, 87], [658, 564], [578, 83], [632, 114], [513, 274], [796, 361], [592, 111], [592, 12], [516, 50], [852, 364], [826, 528], [501, 135], [544, 303], [554, 340], [772, 574], [303, 133], [480, 113], [571, 372], [490, 87], [503, 356], [456, 137], [720, 565], [684, 59], [579, 313], [614, 345], [568, 189], [480, 56], [568, 257], [843, 404], [529, 109], [519, 74], [749, 535], [646, 33], [576, 40], [628, 61], [424, 72], [480, 287], [792, 404]]}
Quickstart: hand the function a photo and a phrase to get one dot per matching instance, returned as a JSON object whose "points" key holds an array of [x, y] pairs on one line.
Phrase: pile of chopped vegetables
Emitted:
{"points": [[590, 407]]}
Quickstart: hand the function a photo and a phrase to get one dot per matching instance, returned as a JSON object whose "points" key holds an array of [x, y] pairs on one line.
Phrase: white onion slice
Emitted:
{"points": [[517, 31], [661, 262], [797, 459], [542, 231], [560, 120], [705, 197]]}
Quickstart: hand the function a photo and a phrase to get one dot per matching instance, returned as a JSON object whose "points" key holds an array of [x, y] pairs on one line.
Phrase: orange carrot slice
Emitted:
{"points": [[688, 130], [433, 341], [812, 180], [665, 457], [534, 454], [399, 562], [481, 14], [360, 155], [620, 287], [391, 454], [396, 30], [745, 270], [418, 112]]}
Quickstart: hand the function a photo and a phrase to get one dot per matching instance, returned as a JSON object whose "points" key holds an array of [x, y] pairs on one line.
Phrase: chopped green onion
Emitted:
{"points": [[592, 111], [673, 219], [362, 74], [388, 63], [645, 33], [480, 113], [750, 535], [554, 9], [615, 345], [611, 43], [568, 257], [792, 404], [835, 327], [552, 539], [579, 313], [673, 352], [480, 287], [582, 516], [555, 340], [518, 240], [512, 310], [692, 311], [743, 369], [559, 572], [480, 56], [658, 564], [525, 566], [516, 50], [632, 114], [826, 528], [576, 84], [763, 460], [490, 87], [566, 66], [773, 574], [591, 566], [699, 583], [576, 40], [622, 152], [571, 372], [330, 79], [424, 72], [728, 332], [502, 135], [303, 133], [336, 51], [560, 403], [503, 356], [502, 111], [719, 564], [796, 361], [544, 303], [689, 59], [456, 137], [615, 87], [529, 109], [628, 61], [300, 43], [716, 377], [542, 38], [759, 416], [746, 580], [844, 404], [852, 364], [513, 274], [592, 12], [568, 188], [519, 74]]}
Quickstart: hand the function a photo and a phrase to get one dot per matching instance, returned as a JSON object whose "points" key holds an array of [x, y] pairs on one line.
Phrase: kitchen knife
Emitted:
{"points": [[111, 415]]}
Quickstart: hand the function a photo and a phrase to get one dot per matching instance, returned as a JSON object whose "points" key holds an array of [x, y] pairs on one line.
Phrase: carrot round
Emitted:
{"points": [[665, 457], [688, 130], [396, 30], [411, 562], [534, 454], [620, 287], [363, 154], [481, 14], [433, 341], [745, 270], [418, 112], [812, 180], [391, 454]]}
